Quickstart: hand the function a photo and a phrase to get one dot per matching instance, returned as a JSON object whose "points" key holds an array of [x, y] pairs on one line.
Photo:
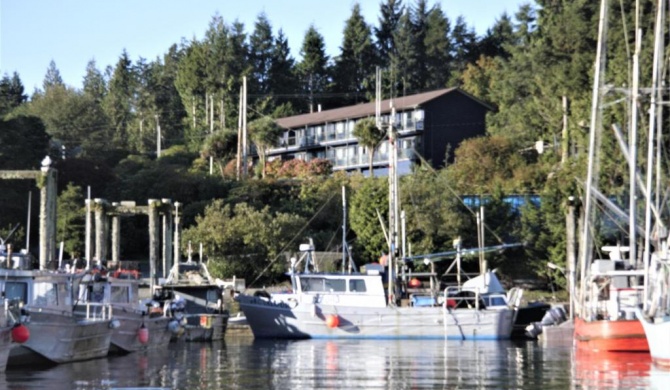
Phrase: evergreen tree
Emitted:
{"points": [[11, 93], [390, 11], [419, 27], [464, 47], [118, 104], [436, 42], [354, 67], [190, 83], [95, 86], [498, 38], [404, 60], [282, 78], [70, 227], [52, 77], [260, 56], [169, 105], [313, 73]]}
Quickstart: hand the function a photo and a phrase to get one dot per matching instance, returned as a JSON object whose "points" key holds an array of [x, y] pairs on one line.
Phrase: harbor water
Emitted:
{"points": [[245, 363]]}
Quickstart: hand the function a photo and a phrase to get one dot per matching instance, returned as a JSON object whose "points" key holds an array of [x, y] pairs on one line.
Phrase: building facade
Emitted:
{"points": [[428, 125]]}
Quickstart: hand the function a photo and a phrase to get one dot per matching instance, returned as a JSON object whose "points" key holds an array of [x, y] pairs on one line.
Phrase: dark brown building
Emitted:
{"points": [[428, 124]]}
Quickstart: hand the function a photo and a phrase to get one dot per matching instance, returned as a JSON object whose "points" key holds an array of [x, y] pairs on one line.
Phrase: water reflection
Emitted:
{"points": [[244, 363]]}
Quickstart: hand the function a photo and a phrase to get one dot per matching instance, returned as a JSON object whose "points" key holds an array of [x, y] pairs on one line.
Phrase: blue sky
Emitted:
{"points": [[72, 32]]}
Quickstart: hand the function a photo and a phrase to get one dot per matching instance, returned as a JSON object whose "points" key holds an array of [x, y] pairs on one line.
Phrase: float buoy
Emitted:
{"points": [[333, 321], [414, 283], [20, 333], [143, 335]]}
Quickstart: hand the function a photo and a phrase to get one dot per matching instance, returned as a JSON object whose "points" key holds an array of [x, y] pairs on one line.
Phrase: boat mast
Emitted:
{"points": [[654, 115], [344, 231], [595, 129], [393, 203]]}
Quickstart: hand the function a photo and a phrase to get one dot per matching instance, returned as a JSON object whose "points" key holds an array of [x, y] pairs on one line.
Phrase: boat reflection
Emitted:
{"points": [[611, 369]]}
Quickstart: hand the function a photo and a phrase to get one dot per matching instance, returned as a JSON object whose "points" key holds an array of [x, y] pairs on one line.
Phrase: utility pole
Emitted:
{"points": [[239, 140], [211, 130], [158, 137], [244, 127]]}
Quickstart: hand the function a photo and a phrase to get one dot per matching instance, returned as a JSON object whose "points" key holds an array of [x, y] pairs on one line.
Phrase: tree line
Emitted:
{"points": [[526, 66]]}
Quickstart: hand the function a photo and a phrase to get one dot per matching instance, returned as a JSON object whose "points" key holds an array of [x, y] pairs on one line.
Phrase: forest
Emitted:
{"points": [[535, 67]]}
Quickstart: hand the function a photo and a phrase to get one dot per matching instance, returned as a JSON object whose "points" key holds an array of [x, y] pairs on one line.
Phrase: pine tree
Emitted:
{"points": [[94, 83], [313, 72], [436, 42], [282, 78], [52, 77], [11, 93], [390, 11], [354, 67], [260, 56], [403, 61], [118, 103]]}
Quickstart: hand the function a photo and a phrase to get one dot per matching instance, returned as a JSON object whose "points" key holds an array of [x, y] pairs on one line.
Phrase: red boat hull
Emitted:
{"points": [[611, 336]]}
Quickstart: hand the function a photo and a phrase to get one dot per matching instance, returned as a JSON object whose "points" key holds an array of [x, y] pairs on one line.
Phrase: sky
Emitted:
{"points": [[73, 32]]}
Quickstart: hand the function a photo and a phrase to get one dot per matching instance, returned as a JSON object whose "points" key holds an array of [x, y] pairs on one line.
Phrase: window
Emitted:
{"points": [[311, 284], [336, 285], [291, 138], [45, 294], [16, 290], [357, 285], [120, 294]]}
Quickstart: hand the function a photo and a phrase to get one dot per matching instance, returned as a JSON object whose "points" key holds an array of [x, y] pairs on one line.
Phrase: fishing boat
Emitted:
{"points": [[62, 329], [142, 323], [196, 300], [611, 289], [608, 320], [356, 305]]}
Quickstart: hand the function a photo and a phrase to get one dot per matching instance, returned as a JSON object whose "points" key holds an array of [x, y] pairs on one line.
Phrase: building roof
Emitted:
{"points": [[365, 109]]}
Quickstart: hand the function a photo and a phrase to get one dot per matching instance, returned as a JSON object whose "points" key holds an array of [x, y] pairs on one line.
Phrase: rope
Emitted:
{"points": [[293, 239]]}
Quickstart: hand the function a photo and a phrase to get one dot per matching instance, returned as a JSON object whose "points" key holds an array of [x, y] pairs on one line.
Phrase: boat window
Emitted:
{"points": [[213, 295], [16, 290], [336, 285], [45, 294], [357, 285], [120, 294], [311, 284]]}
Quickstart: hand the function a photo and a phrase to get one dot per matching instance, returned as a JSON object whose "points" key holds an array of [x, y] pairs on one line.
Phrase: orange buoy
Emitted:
{"points": [[143, 335], [414, 283], [333, 321], [20, 333]]}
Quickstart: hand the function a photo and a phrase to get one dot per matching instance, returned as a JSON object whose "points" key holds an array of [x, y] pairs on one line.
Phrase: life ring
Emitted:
{"points": [[292, 303]]}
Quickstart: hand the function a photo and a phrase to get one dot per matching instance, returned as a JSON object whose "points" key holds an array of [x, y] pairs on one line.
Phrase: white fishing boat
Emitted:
{"points": [[143, 324], [62, 329], [356, 305]]}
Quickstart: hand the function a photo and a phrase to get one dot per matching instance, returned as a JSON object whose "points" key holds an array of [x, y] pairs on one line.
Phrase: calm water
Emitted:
{"points": [[242, 363]]}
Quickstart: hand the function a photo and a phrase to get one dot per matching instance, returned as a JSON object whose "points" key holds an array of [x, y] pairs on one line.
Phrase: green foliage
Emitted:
{"points": [[313, 72], [264, 133], [241, 240], [366, 204], [23, 142], [352, 73], [221, 147], [369, 135], [70, 226], [11, 93]]}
